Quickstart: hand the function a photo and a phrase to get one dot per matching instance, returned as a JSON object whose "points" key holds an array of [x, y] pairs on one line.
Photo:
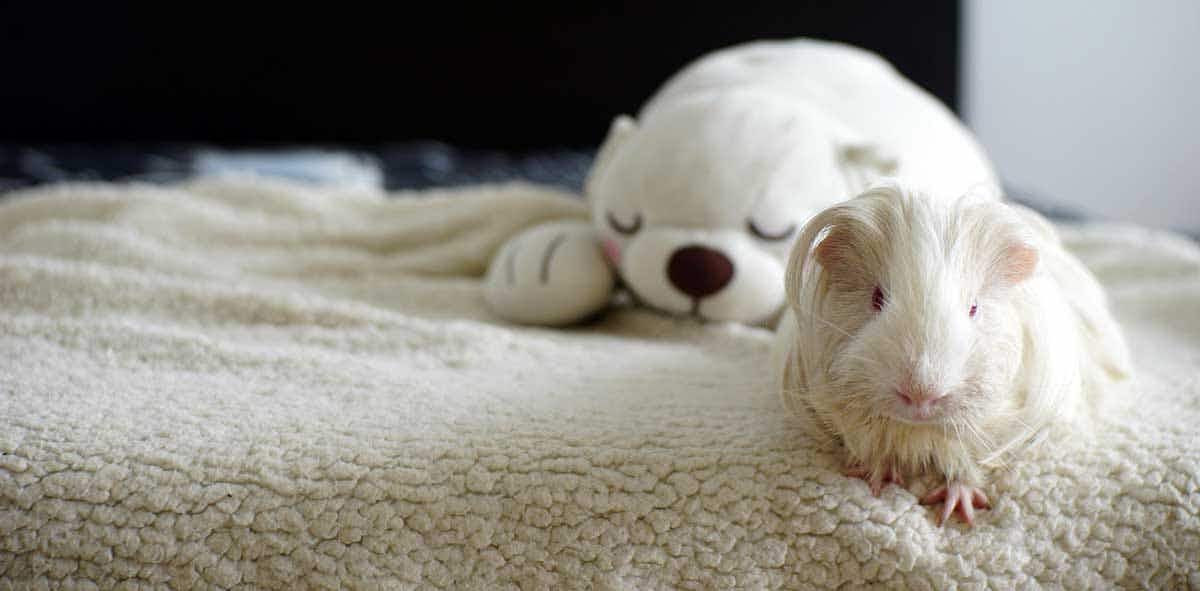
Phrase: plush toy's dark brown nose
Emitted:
{"points": [[699, 271]]}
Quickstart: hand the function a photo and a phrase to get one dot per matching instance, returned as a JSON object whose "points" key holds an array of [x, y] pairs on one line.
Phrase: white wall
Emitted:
{"points": [[1094, 104]]}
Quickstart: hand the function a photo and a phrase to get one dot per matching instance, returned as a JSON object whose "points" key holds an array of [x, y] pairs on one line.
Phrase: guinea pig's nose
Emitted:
{"points": [[699, 271], [918, 397]]}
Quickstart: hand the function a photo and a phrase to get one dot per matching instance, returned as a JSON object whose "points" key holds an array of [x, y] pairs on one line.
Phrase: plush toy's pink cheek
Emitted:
{"points": [[612, 250]]}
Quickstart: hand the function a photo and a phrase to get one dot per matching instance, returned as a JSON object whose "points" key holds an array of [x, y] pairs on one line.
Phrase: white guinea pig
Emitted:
{"points": [[940, 334]]}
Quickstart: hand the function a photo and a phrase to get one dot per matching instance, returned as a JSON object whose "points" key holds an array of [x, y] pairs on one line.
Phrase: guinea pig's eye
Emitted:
{"points": [[630, 228], [783, 234], [877, 299], [974, 309]]}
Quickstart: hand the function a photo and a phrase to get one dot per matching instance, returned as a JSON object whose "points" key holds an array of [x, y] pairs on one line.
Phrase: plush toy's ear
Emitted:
{"points": [[621, 129], [862, 163]]}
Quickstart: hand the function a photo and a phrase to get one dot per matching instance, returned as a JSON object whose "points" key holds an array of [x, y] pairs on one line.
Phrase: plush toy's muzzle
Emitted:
{"points": [[699, 271], [715, 275]]}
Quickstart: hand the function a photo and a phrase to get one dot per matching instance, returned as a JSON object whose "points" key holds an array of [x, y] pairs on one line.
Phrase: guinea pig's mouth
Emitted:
{"points": [[929, 414], [915, 420]]}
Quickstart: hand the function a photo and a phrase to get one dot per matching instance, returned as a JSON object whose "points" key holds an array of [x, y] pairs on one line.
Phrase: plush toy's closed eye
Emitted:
{"points": [[768, 235], [627, 229]]}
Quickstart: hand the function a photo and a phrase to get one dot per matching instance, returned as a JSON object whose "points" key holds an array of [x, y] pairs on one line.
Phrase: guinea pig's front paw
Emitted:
{"points": [[959, 498], [877, 480]]}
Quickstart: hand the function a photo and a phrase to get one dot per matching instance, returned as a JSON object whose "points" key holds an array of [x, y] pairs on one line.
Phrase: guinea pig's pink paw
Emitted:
{"points": [[957, 498], [877, 481]]}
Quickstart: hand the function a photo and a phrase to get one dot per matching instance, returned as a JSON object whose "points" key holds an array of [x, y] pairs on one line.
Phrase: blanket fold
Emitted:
{"points": [[248, 384]]}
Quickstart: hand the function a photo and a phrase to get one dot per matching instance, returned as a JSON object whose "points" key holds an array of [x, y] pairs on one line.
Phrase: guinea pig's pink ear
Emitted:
{"points": [[1016, 263], [835, 250], [843, 256], [848, 241]]}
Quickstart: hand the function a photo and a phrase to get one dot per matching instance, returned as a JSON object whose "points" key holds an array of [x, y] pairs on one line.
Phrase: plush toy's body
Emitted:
{"points": [[695, 205]]}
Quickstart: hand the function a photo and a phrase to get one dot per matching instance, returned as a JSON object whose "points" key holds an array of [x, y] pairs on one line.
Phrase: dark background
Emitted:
{"points": [[508, 77]]}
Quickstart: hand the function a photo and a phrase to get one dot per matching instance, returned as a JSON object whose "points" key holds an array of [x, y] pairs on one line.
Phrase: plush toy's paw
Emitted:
{"points": [[551, 274]]}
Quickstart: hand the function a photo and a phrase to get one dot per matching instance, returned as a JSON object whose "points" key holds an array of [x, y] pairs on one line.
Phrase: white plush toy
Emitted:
{"points": [[695, 204]]}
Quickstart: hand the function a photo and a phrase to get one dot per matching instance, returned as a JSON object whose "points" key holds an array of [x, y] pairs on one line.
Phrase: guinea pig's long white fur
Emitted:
{"points": [[969, 305]]}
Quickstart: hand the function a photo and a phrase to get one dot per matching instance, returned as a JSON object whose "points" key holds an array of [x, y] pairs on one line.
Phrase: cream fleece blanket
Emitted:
{"points": [[237, 384]]}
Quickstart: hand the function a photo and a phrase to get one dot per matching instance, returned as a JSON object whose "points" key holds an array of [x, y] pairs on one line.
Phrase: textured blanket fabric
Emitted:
{"points": [[237, 384]]}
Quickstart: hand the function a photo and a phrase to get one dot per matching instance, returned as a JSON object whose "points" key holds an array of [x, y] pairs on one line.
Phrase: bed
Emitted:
{"points": [[226, 383]]}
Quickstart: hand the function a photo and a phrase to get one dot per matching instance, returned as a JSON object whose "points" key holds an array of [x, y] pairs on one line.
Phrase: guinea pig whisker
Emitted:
{"points": [[812, 316], [983, 440], [954, 426], [794, 390], [865, 360], [968, 432], [1029, 436]]}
